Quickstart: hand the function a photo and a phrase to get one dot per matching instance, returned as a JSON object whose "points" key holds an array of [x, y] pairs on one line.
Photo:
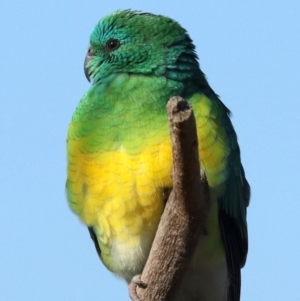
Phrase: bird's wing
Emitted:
{"points": [[232, 216], [220, 159]]}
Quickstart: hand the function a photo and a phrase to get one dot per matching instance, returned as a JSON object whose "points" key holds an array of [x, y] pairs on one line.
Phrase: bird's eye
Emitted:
{"points": [[112, 44]]}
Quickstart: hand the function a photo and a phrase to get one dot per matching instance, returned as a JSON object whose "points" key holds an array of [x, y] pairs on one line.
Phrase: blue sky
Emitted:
{"points": [[250, 52]]}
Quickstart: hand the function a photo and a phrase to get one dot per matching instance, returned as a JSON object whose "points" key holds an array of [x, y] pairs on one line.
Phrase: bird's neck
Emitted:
{"points": [[136, 94], [129, 92]]}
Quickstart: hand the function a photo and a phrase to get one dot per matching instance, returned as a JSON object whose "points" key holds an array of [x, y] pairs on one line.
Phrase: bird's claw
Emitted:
{"points": [[135, 281]]}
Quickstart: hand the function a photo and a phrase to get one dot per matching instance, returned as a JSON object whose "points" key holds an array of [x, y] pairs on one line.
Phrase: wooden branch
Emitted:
{"points": [[185, 212]]}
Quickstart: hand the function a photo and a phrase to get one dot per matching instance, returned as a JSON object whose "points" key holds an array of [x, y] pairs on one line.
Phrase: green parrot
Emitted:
{"points": [[120, 157]]}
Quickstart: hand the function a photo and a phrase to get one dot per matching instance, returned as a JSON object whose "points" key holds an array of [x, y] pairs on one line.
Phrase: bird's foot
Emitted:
{"points": [[135, 281]]}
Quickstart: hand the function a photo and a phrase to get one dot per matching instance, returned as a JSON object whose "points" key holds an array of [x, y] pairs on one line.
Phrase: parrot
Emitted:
{"points": [[119, 153]]}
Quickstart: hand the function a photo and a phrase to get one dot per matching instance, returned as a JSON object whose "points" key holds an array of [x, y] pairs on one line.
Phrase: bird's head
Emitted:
{"points": [[139, 43]]}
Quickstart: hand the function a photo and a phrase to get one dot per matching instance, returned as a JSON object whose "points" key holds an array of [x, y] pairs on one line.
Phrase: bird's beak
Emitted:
{"points": [[89, 56]]}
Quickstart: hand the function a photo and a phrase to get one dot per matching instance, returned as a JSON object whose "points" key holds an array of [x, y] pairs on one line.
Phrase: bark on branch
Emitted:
{"points": [[185, 212]]}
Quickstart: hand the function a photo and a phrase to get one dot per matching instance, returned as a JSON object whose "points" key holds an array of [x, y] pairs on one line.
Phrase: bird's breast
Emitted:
{"points": [[116, 183]]}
